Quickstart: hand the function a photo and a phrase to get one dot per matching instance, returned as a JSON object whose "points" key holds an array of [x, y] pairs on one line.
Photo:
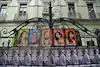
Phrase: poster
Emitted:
{"points": [[58, 35], [34, 36], [70, 36], [46, 37], [78, 38], [22, 39]]}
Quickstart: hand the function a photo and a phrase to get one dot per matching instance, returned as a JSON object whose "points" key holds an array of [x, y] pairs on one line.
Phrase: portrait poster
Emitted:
{"points": [[58, 35], [22, 38], [34, 36], [46, 37], [78, 38], [70, 36]]}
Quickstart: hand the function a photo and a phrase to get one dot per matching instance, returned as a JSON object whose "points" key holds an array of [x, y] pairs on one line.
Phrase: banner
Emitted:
{"points": [[58, 35], [22, 39], [46, 37], [34, 36], [70, 36]]}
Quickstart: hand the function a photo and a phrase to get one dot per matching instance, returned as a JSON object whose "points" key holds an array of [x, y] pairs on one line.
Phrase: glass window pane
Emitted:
{"points": [[3, 9], [23, 8]]}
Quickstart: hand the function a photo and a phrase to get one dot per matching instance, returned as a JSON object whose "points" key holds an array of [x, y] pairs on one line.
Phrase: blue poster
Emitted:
{"points": [[34, 36]]}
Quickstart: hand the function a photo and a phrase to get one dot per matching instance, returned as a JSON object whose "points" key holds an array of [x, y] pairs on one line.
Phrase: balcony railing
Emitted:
{"points": [[74, 15], [98, 15], [2, 17], [20, 17], [92, 15], [24, 0], [32, 56], [89, 0], [5, 1]]}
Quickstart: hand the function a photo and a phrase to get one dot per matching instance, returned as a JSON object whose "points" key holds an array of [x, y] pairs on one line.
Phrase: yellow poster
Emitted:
{"points": [[22, 39]]}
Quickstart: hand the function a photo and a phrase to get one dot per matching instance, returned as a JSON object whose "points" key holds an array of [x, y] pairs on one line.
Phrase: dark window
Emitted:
{"points": [[71, 8], [91, 11], [90, 43], [3, 9], [23, 9]]}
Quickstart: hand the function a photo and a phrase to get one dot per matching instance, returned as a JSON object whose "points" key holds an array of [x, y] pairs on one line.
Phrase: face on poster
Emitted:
{"points": [[46, 37], [22, 37], [58, 36], [70, 36], [34, 36]]}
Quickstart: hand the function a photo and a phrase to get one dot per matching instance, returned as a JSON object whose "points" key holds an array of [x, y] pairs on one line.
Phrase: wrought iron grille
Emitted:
{"points": [[55, 56]]}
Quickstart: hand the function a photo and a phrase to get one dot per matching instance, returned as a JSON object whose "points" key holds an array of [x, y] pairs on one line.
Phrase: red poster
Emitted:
{"points": [[58, 37], [70, 36]]}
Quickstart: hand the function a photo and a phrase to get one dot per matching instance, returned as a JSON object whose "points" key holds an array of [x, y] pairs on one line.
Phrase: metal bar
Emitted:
{"points": [[50, 16]]}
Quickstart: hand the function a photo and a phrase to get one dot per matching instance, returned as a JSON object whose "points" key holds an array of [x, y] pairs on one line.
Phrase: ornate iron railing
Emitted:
{"points": [[74, 15], [30, 56], [47, 56]]}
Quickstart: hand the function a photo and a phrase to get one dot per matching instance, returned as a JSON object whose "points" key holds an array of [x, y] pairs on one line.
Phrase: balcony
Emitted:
{"points": [[20, 17], [5, 1], [89, 0], [23, 0], [71, 0], [2, 17], [98, 15], [74, 15], [92, 15]]}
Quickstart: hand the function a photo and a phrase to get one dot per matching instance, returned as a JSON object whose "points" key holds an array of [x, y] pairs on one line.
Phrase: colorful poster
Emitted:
{"points": [[70, 36], [78, 38], [22, 39], [58, 35], [34, 36], [46, 37]]}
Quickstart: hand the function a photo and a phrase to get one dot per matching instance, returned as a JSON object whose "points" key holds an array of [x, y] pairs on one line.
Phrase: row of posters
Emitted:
{"points": [[46, 37]]}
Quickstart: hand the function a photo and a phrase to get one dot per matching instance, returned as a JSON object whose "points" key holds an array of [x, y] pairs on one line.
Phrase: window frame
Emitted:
{"points": [[23, 8], [4, 8], [91, 10]]}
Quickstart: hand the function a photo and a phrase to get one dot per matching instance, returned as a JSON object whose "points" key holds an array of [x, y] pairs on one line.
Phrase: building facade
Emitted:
{"points": [[86, 12], [14, 18]]}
